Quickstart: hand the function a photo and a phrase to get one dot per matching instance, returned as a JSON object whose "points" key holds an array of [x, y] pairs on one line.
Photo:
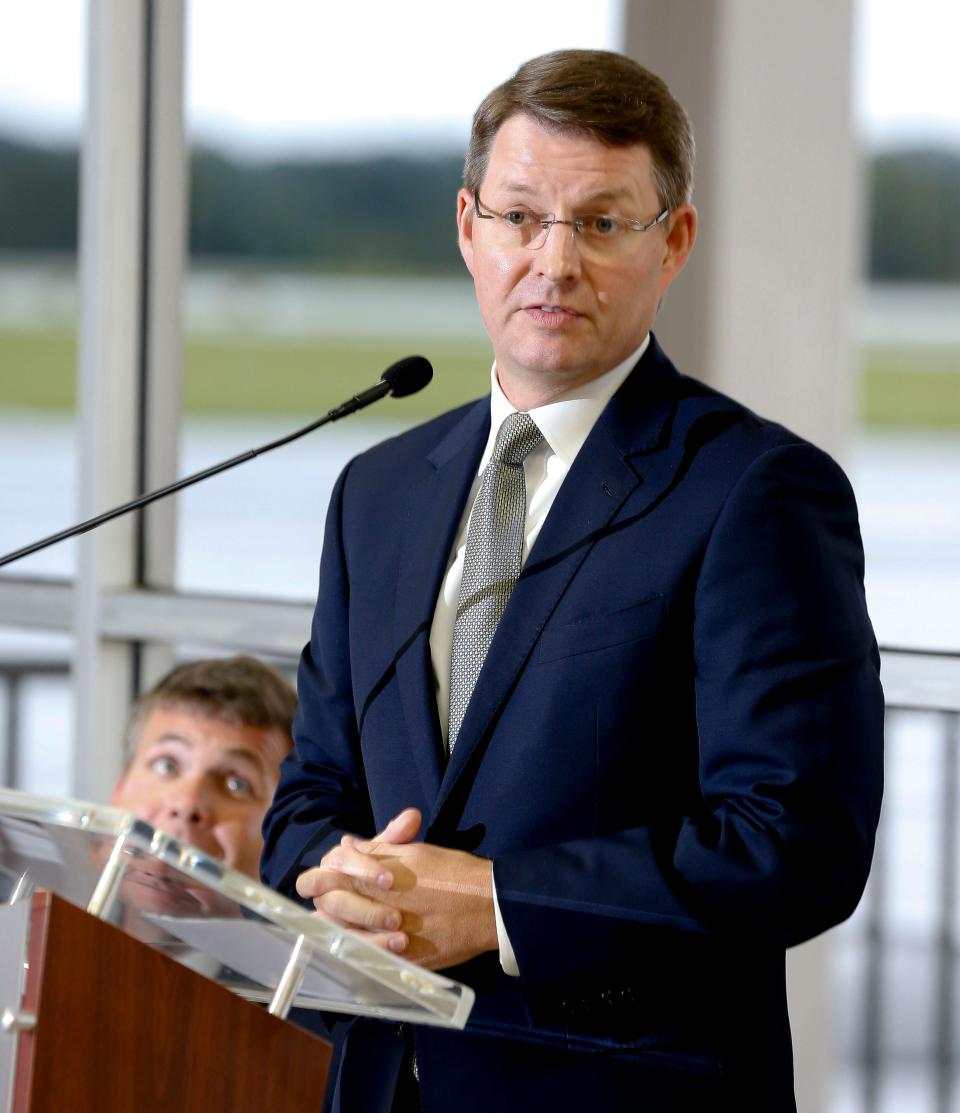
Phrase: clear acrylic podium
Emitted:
{"points": [[166, 901]]}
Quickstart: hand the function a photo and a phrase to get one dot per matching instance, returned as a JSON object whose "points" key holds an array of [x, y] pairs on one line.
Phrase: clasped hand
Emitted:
{"points": [[430, 904]]}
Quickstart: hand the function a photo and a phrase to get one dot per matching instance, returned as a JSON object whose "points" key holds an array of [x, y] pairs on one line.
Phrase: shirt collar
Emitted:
{"points": [[566, 421]]}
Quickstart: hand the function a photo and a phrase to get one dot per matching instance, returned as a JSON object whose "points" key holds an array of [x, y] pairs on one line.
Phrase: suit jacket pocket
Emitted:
{"points": [[603, 631]]}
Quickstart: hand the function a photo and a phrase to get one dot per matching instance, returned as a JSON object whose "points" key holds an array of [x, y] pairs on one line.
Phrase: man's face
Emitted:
{"points": [[559, 318], [206, 782]]}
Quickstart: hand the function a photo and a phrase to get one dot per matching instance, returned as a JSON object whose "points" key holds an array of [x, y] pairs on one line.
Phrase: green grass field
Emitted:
{"points": [[911, 389], [256, 374], [249, 375]]}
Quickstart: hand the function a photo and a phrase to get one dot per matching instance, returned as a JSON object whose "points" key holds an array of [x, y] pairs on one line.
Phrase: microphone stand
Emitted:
{"points": [[404, 377]]}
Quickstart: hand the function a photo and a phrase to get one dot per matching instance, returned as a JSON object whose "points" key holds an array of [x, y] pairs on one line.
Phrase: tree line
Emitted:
{"points": [[395, 214]]}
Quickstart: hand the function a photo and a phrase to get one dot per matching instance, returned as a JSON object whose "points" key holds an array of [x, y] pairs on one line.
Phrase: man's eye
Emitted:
{"points": [[239, 786], [164, 766], [518, 218], [601, 225]]}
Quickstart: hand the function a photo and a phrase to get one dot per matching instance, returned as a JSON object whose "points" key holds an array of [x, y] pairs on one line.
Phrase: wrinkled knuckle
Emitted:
{"points": [[384, 922], [377, 917]]}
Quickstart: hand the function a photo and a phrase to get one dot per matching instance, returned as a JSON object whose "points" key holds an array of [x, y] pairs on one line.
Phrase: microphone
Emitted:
{"points": [[401, 379], [407, 376]]}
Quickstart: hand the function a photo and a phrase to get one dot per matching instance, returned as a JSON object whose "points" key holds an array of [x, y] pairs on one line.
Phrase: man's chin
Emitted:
{"points": [[548, 370]]}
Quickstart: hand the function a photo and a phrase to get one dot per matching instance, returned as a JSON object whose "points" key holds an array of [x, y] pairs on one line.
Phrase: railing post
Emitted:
{"points": [[945, 964], [11, 728]]}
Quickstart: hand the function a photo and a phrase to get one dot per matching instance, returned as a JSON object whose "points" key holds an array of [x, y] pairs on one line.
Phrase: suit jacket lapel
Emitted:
{"points": [[632, 454], [434, 508]]}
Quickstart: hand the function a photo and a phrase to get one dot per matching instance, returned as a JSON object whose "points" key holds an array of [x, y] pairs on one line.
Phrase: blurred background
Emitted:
{"points": [[311, 241]]}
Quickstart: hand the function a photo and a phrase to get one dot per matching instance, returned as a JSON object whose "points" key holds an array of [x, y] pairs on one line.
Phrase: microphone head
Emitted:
{"points": [[407, 376]]}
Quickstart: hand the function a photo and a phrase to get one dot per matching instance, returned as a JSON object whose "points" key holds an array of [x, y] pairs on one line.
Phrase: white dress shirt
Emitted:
{"points": [[565, 424]]}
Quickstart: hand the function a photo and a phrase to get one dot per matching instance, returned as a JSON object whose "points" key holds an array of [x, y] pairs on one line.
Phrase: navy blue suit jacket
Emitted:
{"points": [[672, 755]]}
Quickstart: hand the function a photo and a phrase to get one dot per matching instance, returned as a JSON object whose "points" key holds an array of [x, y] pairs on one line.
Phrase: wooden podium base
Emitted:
{"points": [[122, 1028]]}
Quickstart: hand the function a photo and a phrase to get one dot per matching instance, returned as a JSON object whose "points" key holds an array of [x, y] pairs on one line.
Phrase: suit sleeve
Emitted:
{"points": [[789, 716], [322, 793]]}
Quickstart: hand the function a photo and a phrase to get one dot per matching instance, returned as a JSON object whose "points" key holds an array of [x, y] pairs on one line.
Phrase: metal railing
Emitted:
{"points": [[14, 679], [909, 997], [905, 1030]]}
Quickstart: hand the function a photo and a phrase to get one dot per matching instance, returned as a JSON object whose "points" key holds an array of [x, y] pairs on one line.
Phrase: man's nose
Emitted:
{"points": [[558, 258], [189, 803]]}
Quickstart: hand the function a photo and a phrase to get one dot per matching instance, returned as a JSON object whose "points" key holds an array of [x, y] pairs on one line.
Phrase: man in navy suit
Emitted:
{"points": [[668, 768]]}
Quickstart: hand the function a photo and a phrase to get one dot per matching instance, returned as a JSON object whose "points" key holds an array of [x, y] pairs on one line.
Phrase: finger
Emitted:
{"points": [[354, 910], [319, 880], [310, 882], [402, 828], [348, 861], [395, 941]]}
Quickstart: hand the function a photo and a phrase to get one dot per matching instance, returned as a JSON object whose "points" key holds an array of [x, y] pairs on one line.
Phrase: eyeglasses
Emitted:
{"points": [[598, 234]]}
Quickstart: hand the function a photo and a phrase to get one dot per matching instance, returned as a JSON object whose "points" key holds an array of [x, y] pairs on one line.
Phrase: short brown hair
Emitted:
{"points": [[598, 93], [243, 691]]}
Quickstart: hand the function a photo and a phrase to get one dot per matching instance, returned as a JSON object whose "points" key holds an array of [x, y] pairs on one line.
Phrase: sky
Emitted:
{"points": [[314, 75]]}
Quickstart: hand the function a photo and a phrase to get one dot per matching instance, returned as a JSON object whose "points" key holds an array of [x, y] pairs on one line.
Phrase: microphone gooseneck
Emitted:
{"points": [[402, 378]]}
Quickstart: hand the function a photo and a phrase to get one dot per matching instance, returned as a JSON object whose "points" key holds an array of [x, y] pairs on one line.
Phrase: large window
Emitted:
{"points": [[323, 248], [39, 171], [906, 465], [39, 136]]}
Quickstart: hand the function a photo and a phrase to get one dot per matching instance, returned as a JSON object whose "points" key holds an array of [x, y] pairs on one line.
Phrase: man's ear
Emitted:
{"points": [[465, 226], [679, 241]]}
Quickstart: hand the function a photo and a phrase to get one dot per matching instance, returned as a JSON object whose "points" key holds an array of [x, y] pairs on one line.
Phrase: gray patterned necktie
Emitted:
{"points": [[491, 562]]}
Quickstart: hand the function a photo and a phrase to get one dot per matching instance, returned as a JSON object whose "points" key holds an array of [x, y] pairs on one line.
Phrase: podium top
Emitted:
{"points": [[208, 916]]}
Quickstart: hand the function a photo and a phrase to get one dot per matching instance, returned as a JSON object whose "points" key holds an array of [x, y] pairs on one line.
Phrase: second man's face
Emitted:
{"points": [[204, 781], [556, 318]]}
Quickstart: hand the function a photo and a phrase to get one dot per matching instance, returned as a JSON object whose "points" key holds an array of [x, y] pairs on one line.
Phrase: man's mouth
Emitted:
{"points": [[553, 315]]}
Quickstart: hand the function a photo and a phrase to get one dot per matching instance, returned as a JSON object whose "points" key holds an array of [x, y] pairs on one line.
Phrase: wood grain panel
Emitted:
{"points": [[122, 1028]]}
